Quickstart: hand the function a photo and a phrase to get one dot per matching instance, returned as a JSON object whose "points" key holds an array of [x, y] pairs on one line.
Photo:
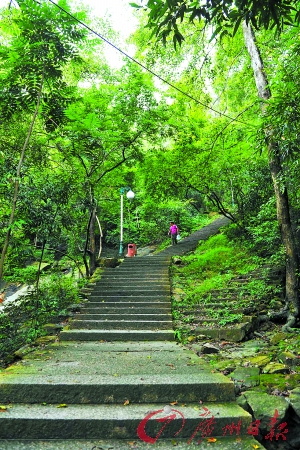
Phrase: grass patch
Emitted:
{"points": [[206, 285]]}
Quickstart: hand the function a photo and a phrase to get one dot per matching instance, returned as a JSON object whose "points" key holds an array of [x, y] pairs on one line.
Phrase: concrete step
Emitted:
{"points": [[224, 443], [108, 389], [121, 316], [116, 335], [117, 324], [77, 421]]}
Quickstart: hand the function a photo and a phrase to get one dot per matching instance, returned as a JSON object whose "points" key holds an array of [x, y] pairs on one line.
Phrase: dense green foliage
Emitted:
{"points": [[22, 321], [74, 131]]}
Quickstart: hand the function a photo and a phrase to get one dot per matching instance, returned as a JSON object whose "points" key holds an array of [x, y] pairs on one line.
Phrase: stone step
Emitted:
{"points": [[206, 306], [139, 274], [107, 389], [224, 443], [126, 282], [132, 289], [130, 304], [117, 335], [155, 270], [121, 316], [162, 260], [140, 309], [77, 421], [149, 299], [128, 286], [124, 324], [234, 333], [132, 276]]}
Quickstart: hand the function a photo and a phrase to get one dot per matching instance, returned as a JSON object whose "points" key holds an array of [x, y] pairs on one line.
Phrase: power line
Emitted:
{"points": [[146, 68]]}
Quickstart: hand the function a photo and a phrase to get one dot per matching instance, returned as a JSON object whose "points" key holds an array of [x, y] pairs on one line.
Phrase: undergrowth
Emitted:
{"points": [[21, 321], [208, 275]]}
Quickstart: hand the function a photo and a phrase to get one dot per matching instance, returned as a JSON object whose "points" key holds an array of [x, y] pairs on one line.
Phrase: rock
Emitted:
{"points": [[289, 358], [264, 407], [295, 400], [44, 340], [108, 262], [177, 260], [278, 337], [23, 351], [51, 329], [209, 348], [275, 367], [225, 366], [201, 337], [246, 376], [260, 360]]}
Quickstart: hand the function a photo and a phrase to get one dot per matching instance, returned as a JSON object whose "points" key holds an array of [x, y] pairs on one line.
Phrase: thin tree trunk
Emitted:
{"points": [[92, 249], [17, 181], [101, 236], [281, 194]]}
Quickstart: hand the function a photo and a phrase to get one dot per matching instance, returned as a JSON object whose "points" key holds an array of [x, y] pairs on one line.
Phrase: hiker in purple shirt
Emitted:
{"points": [[173, 231]]}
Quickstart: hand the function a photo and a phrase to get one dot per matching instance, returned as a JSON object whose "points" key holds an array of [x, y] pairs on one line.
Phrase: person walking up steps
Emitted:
{"points": [[173, 231]]}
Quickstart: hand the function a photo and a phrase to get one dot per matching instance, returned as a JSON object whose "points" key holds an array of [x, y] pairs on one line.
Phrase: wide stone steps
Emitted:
{"points": [[121, 323], [88, 389], [131, 298], [129, 315], [129, 290], [130, 283], [136, 308], [127, 306], [109, 388], [121, 334], [78, 421]]}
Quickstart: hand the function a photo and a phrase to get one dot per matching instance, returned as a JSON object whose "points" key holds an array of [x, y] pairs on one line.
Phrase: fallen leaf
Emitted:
{"points": [[212, 439], [62, 405], [174, 442], [255, 446], [3, 408], [174, 403], [126, 402]]}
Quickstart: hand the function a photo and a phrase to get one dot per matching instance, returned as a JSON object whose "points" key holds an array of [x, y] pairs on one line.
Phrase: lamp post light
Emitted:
{"points": [[130, 195]]}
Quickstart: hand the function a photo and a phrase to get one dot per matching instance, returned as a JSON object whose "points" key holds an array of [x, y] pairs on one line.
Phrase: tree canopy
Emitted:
{"points": [[74, 131]]}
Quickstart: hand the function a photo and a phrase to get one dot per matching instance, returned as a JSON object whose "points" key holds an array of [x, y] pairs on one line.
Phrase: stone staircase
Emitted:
{"points": [[116, 379], [130, 302], [230, 313]]}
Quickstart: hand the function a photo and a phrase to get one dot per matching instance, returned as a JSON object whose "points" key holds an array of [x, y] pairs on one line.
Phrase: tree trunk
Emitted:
{"points": [[281, 194], [17, 181], [92, 248]]}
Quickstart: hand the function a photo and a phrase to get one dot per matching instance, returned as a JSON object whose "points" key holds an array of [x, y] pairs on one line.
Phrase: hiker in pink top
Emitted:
{"points": [[173, 232]]}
